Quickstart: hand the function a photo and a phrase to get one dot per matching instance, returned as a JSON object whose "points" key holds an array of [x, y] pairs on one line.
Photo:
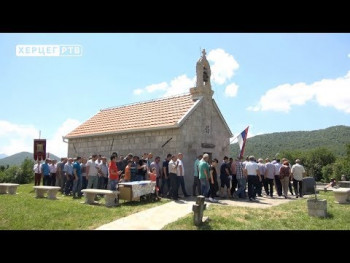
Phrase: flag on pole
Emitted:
{"points": [[242, 138]]}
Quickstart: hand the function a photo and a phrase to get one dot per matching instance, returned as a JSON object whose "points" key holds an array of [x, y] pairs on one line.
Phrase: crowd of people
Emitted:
{"points": [[73, 175], [235, 175]]}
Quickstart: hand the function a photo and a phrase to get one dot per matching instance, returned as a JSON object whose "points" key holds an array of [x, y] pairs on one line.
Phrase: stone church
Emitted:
{"points": [[190, 123]]}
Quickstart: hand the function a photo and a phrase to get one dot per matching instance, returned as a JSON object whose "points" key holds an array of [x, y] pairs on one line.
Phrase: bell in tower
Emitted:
{"points": [[205, 75]]}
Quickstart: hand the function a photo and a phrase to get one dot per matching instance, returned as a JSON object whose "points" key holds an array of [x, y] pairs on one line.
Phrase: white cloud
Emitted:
{"points": [[55, 144], [156, 87], [327, 92], [349, 55], [138, 91], [16, 138], [231, 90], [223, 65], [179, 85]]}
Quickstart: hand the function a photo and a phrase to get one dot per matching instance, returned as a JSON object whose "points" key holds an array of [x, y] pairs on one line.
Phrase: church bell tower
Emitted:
{"points": [[203, 72]]}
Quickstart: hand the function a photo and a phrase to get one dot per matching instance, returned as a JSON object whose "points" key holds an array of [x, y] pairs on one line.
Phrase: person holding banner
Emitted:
{"points": [[37, 172]]}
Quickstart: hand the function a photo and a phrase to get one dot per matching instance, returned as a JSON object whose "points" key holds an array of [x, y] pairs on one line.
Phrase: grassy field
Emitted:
{"points": [[290, 216], [25, 212]]}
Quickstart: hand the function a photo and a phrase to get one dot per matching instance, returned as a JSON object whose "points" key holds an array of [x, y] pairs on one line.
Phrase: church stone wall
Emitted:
{"points": [[136, 143]]}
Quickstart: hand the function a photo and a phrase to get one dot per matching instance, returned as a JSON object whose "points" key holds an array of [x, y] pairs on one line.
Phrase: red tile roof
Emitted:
{"points": [[161, 113]]}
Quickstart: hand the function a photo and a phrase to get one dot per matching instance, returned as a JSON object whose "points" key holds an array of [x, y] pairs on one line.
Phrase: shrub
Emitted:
{"points": [[327, 173], [20, 175]]}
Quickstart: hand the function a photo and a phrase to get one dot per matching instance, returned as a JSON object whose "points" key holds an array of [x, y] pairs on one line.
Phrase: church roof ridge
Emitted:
{"points": [[146, 101]]}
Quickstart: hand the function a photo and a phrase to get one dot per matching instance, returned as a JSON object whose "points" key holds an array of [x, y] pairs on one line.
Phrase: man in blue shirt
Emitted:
{"points": [[77, 180], [45, 169]]}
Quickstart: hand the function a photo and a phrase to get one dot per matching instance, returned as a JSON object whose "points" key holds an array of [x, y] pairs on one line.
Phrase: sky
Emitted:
{"points": [[269, 82]]}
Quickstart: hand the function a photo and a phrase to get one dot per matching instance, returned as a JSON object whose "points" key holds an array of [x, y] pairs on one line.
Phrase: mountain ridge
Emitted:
{"points": [[270, 145], [18, 158]]}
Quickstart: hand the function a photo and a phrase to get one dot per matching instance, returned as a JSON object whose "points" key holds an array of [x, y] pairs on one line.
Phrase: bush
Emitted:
{"points": [[20, 175], [340, 167], [11, 174], [327, 173], [26, 174]]}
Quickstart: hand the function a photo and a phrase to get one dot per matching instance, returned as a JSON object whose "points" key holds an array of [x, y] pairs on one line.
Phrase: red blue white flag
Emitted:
{"points": [[242, 138]]}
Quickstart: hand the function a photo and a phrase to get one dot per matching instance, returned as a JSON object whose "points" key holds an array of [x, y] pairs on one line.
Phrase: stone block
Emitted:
{"points": [[317, 208], [308, 185], [341, 195]]}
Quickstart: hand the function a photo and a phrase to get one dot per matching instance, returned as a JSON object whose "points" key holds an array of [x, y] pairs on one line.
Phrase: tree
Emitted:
{"points": [[20, 175], [341, 167], [348, 151], [26, 173], [313, 161], [316, 159], [327, 172], [291, 156]]}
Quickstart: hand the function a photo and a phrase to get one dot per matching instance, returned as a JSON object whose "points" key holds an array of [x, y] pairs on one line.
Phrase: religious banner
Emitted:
{"points": [[39, 149]]}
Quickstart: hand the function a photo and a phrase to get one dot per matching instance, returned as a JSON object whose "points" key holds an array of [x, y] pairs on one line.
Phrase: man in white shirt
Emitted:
{"points": [[181, 174], [92, 172], [252, 171], [37, 171], [298, 172], [53, 171]]}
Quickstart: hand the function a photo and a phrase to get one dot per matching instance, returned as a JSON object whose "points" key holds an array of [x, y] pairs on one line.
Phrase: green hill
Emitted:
{"points": [[18, 158], [268, 145]]}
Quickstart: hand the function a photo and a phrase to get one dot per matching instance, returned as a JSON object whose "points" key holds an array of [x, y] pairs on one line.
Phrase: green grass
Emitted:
{"points": [[25, 212], [289, 216]]}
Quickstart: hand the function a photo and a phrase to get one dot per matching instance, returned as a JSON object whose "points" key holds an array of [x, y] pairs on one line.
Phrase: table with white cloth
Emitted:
{"points": [[132, 191]]}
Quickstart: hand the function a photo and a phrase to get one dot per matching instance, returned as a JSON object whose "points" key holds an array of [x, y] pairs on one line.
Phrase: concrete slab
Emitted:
{"points": [[152, 219]]}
